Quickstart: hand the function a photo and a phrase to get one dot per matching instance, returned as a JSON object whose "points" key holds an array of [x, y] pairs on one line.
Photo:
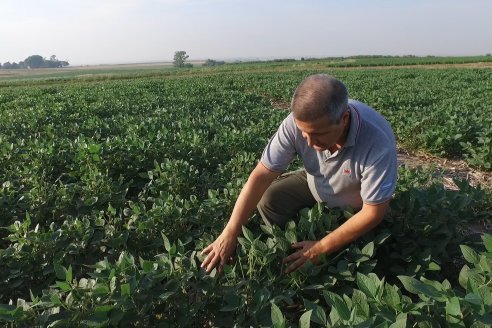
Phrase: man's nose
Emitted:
{"points": [[310, 140]]}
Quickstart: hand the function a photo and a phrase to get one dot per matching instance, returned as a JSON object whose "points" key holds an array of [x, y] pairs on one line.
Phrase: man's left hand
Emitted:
{"points": [[307, 252]]}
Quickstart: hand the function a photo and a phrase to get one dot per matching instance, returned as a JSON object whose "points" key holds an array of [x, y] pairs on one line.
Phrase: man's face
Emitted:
{"points": [[322, 135]]}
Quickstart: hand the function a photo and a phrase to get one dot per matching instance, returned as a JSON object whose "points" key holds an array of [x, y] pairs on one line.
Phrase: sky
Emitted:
{"points": [[89, 32]]}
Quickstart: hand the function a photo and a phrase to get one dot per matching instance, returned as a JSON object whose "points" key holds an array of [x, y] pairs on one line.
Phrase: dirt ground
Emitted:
{"points": [[450, 169]]}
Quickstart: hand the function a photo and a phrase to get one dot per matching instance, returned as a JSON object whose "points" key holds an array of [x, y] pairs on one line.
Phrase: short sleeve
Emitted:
{"points": [[379, 178], [281, 150]]}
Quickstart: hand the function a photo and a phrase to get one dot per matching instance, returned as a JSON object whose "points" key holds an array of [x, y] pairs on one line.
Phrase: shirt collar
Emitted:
{"points": [[354, 127], [352, 134]]}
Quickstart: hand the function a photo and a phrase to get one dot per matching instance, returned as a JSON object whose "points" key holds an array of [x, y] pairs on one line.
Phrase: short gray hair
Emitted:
{"points": [[319, 95]]}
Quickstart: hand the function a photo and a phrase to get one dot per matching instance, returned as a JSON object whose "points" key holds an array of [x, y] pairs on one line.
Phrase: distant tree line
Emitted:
{"points": [[211, 62], [36, 61], [180, 58]]}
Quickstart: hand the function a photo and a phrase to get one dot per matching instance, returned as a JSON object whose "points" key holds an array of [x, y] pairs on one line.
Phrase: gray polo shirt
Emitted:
{"points": [[364, 170]]}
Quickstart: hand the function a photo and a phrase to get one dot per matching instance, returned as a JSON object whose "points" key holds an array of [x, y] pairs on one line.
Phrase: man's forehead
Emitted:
{"points": [[321, 125]]}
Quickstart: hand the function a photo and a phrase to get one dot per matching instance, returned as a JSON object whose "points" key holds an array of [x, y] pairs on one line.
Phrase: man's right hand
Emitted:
{"points": [[219, 252]]}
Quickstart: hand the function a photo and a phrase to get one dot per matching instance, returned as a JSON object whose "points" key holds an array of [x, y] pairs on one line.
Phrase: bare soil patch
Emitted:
{"points": [[451, 169]]}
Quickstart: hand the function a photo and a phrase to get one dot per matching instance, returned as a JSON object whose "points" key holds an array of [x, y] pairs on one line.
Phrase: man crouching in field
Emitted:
{"points": [[349, 156]]}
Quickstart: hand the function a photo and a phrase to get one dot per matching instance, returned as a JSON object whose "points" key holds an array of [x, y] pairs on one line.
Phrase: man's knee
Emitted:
{"points": [[282, 200], [267, 200], [266, 206]]}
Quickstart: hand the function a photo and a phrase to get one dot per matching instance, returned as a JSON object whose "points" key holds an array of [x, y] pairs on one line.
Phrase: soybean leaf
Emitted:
{"points": [[305, 320], [248, 234], [60, 271], [417, 287], [368, 249], [401, 321], [367, 284], [472, 285], [479, 325], [359, 302], [464, 275], [379, 239], [391, 296], [485, 295], [453, 310], [469, 254], [487, 242], [290, 235], [63, 286], [104, 308], [278, 319], [167, 244], [338, 303], [55, 300], [318, 315], [267, 229], [486, 318], [68, 277], [125, 290]]}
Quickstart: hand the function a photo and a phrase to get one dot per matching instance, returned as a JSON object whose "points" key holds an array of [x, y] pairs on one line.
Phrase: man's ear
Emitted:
{"points": [[346, 118]]}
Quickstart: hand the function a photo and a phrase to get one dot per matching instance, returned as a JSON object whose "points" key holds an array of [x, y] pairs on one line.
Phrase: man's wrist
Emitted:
{"points": [[315, 251], [322, 247], [232, 230]]}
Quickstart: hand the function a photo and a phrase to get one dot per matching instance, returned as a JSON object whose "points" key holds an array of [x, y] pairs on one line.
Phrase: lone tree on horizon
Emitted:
{"points": [[180, 58]]}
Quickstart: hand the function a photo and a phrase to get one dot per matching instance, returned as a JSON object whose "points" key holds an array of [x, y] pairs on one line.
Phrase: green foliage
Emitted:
{"points": [[110, 190], [480, 153]]}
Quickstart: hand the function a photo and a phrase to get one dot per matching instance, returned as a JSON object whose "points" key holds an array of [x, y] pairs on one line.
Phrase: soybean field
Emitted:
{"points": [[110, 187]]}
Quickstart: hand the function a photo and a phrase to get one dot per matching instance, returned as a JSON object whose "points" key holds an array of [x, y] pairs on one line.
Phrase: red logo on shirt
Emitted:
{"points": [[346, 171]]}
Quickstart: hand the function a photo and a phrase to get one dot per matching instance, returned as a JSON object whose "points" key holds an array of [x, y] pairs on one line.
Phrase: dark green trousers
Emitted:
{"points": [[282, 201]]}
